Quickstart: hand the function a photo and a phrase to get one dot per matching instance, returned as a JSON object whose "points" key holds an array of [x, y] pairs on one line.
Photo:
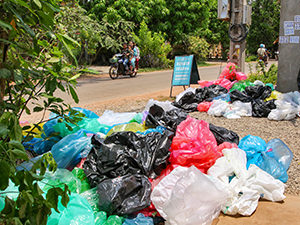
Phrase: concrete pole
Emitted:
{"points": [[289, 47], [237, 49]]}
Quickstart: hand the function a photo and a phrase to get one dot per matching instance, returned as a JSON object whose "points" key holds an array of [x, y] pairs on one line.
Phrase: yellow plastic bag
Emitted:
{"points": [[134, 127], [274, 95]]}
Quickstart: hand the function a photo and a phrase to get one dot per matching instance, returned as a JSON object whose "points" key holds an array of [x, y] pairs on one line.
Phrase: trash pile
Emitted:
{"points": [[232, 96], [158, 165]]}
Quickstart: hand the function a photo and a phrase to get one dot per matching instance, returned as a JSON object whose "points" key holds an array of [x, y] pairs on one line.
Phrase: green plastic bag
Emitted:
{"points": [[79, 173], [86, 123], [78, 211], [134, 127], [59, 178], [271, 86], [101, 219], [138, 118], [241, 85], [92, 197]]}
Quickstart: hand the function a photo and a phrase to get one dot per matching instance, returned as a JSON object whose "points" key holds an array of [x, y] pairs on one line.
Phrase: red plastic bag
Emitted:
{"points": [[204, 106], [194, 144], [224, 83], [226, 145], [79, 165], [229, 72], [205, 83]]}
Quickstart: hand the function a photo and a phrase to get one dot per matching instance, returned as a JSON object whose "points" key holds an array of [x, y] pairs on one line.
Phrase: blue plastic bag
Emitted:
{"points": [[158, 129], [140, 219], [223, 97], [67, 151], [88, 113], [252, 145]]}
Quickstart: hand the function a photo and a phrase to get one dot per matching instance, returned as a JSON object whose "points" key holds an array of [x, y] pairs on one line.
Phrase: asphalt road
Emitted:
{"points": [[96, 89]]}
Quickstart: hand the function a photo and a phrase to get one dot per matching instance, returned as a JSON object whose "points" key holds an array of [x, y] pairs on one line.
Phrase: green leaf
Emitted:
{"points": [[52, 198], [5, 172], [5, 25], [54, 60], [66, 37], [38, 3], [16, 145], [22, 210], [19, 154], [74, 94], [5, 73], [38, 109], [61, 38], [75, 77], [3, 130]]}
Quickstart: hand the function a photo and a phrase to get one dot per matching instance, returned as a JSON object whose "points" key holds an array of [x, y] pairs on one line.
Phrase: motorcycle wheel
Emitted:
{"points": [[113, 72], [133, 74]]}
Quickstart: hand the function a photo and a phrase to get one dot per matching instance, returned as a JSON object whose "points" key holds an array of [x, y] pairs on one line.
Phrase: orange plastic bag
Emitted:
{"points": [[204, 106], [194, 144]]}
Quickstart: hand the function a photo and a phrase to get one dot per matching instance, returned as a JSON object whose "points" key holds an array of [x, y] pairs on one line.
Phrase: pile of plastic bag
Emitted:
{"points": [[160, 164], [233, 97]]}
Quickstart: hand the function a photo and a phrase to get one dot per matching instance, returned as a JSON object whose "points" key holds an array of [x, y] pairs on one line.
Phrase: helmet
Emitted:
{"points": [[262, 45]]}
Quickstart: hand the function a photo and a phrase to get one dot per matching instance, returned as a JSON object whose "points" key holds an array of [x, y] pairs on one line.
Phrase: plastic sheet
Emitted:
{"points": [[204, 106], [67, 151], [170, 119], [111, 118], [261, 108], [188, 197], [126, 153], [139, 220], [78, 211], [247, 186], [194, 144], [224, 135], [218, 108], [124, 195]]}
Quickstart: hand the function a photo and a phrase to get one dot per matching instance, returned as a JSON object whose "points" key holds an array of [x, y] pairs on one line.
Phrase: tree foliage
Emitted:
{"points": [[265, 24], [32, 67]]}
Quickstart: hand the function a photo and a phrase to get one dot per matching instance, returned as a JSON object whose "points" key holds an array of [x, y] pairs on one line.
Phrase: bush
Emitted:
{"points": [[198, 47], [153, 48], [269, 76], [251, 58]]}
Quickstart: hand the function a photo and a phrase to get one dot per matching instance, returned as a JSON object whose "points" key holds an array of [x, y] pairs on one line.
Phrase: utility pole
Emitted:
{"points": [[239, 15], [289, 47]]}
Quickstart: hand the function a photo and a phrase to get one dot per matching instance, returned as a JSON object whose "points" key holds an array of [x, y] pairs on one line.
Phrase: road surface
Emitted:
{"points": [[96, 89]]}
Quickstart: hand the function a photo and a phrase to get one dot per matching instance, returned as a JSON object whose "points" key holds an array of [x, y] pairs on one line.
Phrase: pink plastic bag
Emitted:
{"points": [[194, 144], [205, 83], [229, 72], [204, 106], [225, 145], [240, 76], [224, 83]]}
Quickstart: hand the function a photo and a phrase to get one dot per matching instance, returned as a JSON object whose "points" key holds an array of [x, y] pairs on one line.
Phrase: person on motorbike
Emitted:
{"points": [[136, 54], [262, 54], [125, 54], [132, 58]]}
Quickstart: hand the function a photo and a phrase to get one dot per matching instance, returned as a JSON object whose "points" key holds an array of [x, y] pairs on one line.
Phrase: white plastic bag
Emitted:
{"points": [[238, 109], [285, 110], [248, 186], [218, 108], [166, 105], [188, 197], [111, 118]]}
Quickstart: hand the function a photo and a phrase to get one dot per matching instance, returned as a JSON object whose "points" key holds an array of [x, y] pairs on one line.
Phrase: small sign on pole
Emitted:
{"points": [[185, 72]]}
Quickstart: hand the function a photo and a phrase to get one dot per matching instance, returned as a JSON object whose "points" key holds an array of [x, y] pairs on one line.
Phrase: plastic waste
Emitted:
{"points": [[67, 151], [61, 177], [188, 197], [134, 127], [244, 187], [88, 113], [170, 119], [139, 220], [111, 118], [78, 211], [204, 106], [229, 72], [284, 111], [261, 108], [274, 95], [124, 195], [166, 105], [205, 83], [241, 85], [258, 83], [190, 89], [238, 109], [224, 135], [194, 144], [223, 97], [41, 145], [240, 76], [225, 145], [271, 86], [188, 101], [258, 92], [92, 197], [79, 174], [126, 153], [101, 219], [252, 144], [218, 108]]}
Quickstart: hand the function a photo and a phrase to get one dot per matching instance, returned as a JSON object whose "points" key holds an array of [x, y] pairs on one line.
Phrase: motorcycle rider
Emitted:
{"points": [[136, 55], [125, 52], [262, 53], [131, 56]]}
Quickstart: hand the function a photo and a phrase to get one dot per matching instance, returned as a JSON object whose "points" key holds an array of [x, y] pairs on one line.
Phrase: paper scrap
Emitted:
{"points": [[295, 39], [297, 26], [297, 18], [289, 31], [284, 39], [288, 24]]}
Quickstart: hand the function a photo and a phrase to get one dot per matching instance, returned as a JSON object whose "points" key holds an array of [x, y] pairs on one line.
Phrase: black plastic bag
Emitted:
{"points": [[214, 91], [224, 135], [237, 95], [124, 195], [125, 153], [170, 119], [258, 92], [260, 108], [189, 102]]}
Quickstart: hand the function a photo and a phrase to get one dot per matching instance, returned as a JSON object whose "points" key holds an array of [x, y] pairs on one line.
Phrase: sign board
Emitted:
{"points": [[185, 72]]}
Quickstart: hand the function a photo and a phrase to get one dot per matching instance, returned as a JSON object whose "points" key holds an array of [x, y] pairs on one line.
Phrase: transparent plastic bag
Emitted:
{"points": [[111, 118]]}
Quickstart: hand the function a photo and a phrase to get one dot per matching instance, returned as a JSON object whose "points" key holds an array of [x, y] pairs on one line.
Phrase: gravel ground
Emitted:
{"points": [[287, 131]]}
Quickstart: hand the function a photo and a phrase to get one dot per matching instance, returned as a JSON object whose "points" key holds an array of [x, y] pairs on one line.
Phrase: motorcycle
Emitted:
{"points": [[117, 68]]}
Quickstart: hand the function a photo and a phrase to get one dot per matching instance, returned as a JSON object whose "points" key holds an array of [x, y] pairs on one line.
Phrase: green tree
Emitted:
{"points": [[265, 24], [32, 67]]}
